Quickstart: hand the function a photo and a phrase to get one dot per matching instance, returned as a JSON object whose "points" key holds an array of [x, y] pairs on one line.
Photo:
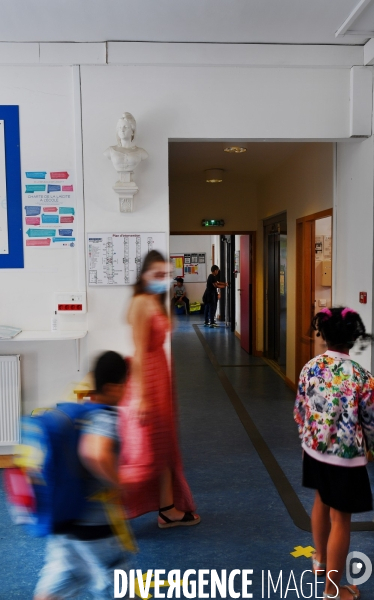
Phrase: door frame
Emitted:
{"points": [[305, 284], [252, 234], [269, 221]]}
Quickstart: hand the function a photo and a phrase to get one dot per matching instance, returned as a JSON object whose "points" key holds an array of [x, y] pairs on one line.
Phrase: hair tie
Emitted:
{"points": [[327, 312], [347, 311]]}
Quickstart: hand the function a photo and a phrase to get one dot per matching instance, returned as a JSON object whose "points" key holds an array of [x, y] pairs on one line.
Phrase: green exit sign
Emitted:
{"points": [[212, 222]]}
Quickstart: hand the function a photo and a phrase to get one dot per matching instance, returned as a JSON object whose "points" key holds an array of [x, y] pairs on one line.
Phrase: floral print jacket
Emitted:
{"points": [[334, 409]]}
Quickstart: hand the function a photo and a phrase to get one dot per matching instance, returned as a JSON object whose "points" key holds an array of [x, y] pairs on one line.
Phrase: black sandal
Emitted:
{"points": [[187, 520]]}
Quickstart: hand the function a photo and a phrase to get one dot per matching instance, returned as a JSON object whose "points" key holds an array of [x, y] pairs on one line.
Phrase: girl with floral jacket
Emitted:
{"points": [[334, 411]]}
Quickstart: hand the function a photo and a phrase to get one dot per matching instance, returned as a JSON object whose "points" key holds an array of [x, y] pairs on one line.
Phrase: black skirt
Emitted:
{"points": [[346, 489]]}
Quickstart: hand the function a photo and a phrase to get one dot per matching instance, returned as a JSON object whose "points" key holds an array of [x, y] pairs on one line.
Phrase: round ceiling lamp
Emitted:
{"points": [[214, 175], [235, 149]]}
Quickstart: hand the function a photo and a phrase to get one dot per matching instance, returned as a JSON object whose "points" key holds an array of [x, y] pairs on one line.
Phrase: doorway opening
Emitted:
{"points": [[313, 281], [193, 257], [264, 179], [275, 290]]}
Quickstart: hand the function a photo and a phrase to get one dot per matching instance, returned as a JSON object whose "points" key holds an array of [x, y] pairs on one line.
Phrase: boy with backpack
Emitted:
{"points": [[81, 554]]}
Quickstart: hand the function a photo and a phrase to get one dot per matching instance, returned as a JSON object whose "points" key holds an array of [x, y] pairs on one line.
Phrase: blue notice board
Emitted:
{"points": [[13, 258]]}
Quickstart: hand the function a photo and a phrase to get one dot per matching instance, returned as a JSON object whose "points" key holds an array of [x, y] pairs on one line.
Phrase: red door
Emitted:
{"points": [[245, 294]]}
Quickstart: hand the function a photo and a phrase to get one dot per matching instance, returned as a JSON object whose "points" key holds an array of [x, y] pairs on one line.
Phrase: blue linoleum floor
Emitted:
{"points": [[245, 525]]}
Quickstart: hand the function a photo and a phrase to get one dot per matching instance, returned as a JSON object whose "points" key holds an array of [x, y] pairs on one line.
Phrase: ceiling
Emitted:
{"points": [[188, 160], [215, 21]]}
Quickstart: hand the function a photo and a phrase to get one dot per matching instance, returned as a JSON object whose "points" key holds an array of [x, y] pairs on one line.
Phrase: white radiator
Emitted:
{"points": [[10, 399]]}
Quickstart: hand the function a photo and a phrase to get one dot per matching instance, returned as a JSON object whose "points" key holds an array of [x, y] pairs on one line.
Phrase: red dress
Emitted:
{"points": [[147, 450]]}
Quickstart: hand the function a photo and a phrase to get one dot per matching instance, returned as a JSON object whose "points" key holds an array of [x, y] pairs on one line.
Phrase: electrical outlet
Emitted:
{"points": [[71, 303]]}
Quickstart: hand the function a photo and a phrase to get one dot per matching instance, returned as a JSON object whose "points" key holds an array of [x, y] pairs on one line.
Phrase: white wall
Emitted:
{"points": [[353, 266], [302, 185], [45, 99], [189, 102], [184, 244]]}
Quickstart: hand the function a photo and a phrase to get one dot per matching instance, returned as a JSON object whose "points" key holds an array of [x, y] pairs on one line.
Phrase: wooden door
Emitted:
{"points": [[304, 293], [305, 288], [245, 294]]}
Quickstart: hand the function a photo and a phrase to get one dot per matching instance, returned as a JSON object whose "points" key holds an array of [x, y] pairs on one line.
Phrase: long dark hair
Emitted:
{"points": [[341, 327], [152, 257]]}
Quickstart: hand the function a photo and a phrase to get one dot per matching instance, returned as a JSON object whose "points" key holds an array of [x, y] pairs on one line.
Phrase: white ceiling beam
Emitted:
{"points": [[360, 102], [369, 53], [343, 29], [246, 55], [91, 53]]}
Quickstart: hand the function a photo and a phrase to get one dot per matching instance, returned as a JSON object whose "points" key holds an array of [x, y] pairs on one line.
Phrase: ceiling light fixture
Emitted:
{"points": [[235, 149], [213, 175]]}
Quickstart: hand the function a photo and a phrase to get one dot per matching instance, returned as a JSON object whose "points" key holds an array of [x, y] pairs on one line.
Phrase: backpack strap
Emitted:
{"points": [[117, 517]]}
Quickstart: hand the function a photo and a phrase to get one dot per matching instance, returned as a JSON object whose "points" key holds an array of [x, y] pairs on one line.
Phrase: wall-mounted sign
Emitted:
{"points": [[212, 222], [11, 235], [116, 258]]}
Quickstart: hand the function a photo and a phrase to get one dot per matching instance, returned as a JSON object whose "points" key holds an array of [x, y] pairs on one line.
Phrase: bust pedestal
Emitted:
{"points": [[126, 190]]}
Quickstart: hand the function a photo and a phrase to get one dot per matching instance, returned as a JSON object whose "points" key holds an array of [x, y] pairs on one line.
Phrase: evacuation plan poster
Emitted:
{"points": [[116, 258], [49, 209]]}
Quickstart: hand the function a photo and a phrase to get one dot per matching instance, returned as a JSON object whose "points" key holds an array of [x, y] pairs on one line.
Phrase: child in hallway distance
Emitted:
{"points": [[151, 463], [334, 411], [82, 555], [180, 295]]}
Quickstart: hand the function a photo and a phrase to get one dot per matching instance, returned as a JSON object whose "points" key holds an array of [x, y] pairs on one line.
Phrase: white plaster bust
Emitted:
{"points": [[125, 156]]}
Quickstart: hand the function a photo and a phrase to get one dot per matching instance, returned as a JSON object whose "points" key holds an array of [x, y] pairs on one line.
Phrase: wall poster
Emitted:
{"points": [[318, 244], [327, 247], [49, 209], [177, 260], [4, 242], [237, 261], [116, 258]]}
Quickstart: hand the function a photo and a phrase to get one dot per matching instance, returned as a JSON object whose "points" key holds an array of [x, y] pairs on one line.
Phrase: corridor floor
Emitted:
{"points": [[242, 458]]}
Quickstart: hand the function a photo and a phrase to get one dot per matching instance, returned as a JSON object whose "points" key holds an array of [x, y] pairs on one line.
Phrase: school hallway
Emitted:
{"points": [[242, 459]]}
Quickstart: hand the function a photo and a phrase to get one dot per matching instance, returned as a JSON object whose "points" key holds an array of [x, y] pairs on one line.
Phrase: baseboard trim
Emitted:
{"points": [[290, 384], [237, 334], [258, 353]]}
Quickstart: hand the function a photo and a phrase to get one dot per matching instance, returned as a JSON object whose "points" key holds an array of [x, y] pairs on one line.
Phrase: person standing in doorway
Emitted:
{"points": [[211, 296]]}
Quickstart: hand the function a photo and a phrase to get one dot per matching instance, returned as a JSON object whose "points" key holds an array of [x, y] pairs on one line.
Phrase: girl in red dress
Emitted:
{"points": [[151, 466]]}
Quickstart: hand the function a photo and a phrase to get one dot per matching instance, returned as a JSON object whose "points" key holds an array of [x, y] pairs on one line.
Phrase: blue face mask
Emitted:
{"points": [[158, 286]]}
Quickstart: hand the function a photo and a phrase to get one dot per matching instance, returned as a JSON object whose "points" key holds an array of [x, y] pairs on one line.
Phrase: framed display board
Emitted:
{"points": [[195, 267], [192, 266], [116, 258], [11, 238]]}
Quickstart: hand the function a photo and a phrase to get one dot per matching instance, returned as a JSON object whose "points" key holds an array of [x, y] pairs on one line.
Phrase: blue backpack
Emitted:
{"points": [[48, 460]]}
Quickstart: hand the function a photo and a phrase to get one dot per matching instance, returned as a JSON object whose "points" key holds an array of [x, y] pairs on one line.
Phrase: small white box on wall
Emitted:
{"points": [[326, 273], [71, 303]]}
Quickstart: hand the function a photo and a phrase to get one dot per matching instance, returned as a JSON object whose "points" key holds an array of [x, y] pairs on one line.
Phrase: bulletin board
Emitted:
{"points": [[191, 266], [11, 240]]}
